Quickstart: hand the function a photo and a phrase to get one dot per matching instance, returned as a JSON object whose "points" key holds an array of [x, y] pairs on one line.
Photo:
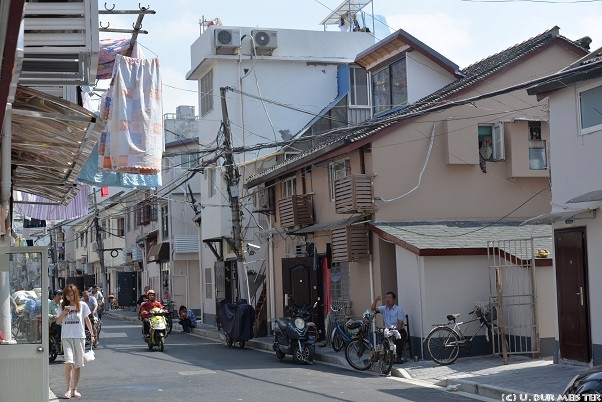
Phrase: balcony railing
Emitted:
{"points": [[296, 211], [354, 194]]}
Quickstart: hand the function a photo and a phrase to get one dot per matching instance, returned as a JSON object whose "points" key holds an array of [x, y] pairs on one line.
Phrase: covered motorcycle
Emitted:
{"points": [[237, 321]]}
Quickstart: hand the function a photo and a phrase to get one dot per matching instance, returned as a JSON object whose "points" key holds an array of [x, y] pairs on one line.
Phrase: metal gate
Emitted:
{"points": [[513, 295]]}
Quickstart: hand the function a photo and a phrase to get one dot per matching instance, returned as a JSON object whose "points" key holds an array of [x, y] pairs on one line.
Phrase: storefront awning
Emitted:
{"points": [[559, 216], [158, 252], [51, 141], [327, 226], [587, 197]]}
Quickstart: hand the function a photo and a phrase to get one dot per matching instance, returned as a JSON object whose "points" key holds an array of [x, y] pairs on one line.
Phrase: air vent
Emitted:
{"points": [[226, 41], [264, 41]]}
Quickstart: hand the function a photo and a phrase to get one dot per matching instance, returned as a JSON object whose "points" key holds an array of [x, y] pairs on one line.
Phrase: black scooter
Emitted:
{"points": [[296, 335]]}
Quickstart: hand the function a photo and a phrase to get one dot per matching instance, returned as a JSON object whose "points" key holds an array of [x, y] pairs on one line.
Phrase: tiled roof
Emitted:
{"points": [[467, 234], [471, 75]]}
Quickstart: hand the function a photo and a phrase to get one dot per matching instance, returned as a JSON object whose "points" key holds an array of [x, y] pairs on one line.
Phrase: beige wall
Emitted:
{"points": [[546, 301]]}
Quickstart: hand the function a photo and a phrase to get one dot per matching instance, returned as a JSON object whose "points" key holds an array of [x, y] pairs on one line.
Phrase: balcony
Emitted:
{"points": [[350, 244], [353, 194], [296, 211], [61, 43]]}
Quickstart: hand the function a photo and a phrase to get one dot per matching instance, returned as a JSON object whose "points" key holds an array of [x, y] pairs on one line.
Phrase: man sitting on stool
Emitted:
{"points": [[393, 317]]}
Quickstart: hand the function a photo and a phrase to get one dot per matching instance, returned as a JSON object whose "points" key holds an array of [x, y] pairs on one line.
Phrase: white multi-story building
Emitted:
{"points": [[277, 82]]}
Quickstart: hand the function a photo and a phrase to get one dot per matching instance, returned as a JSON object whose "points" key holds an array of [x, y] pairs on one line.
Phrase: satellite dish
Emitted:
{"points": [[262, 38]]}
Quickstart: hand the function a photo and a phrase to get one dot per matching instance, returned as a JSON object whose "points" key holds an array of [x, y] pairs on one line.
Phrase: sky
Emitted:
{"points": [[464, 31]]}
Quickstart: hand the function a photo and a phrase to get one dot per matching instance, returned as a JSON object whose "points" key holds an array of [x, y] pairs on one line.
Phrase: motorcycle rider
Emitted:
{"points": [[145, 309], [53, 313]]}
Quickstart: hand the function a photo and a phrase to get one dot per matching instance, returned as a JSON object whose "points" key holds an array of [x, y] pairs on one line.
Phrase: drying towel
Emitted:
{"points": [[109, 49], [134, 140]]}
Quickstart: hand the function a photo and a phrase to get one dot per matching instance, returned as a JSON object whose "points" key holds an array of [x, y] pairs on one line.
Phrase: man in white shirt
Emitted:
{"points": [[393, 317]]}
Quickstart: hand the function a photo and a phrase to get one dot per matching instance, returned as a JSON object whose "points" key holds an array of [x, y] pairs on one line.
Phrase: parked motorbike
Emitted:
{"points": [[158, 329], [55, 346], [296, 335]]}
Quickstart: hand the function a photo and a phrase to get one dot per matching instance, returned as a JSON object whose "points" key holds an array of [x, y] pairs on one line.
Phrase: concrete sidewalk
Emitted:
{"points": [[485, 376]]}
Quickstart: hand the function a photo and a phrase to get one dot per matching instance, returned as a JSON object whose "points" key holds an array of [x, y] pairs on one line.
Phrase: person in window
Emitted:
{"points": [[485, 154], [187, 319]]}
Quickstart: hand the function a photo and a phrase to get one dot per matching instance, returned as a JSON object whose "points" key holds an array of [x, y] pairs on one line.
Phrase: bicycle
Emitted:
{"points": [[362, 355], [445, 340], [340, 336]]}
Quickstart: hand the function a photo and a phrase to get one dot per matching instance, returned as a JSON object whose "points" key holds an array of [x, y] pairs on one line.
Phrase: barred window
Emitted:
{"points": [[339, 282]]}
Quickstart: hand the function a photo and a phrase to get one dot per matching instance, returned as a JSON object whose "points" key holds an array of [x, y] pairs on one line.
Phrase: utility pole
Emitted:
{"points": [[100, 247], [232, 181]]}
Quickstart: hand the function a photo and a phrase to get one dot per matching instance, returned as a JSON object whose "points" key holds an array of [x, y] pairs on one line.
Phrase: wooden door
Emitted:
{"points": [[571, 283], [302, 280], [126, 285]]}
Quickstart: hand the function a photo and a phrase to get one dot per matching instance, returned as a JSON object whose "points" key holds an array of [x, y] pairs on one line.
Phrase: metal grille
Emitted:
{"points": [[513, 294]]}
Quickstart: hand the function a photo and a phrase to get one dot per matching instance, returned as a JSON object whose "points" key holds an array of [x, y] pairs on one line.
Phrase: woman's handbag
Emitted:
{"points": [[89, 355]]}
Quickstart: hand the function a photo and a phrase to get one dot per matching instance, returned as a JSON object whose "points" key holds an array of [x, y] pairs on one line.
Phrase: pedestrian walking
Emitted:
{"points": [[73, 315]]}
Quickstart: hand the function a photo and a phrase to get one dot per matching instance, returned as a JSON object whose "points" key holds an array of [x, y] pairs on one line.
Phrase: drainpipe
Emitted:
{"points": [[5, 190], [420, 267], [271, 269]]}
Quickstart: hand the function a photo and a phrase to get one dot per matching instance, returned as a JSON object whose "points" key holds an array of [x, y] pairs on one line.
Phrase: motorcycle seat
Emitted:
{"points": [[282, 322]]}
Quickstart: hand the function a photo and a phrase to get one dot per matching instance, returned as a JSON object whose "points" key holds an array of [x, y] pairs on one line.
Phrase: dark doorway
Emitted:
{"points": [[302, 281], [571, 283], [126, 285]]}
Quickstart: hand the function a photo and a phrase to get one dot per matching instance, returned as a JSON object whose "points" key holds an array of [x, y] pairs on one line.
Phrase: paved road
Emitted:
{"points": [[195, 368]]}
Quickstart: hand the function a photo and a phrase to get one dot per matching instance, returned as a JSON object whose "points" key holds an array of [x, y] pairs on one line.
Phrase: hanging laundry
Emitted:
{"points": [[91, 174], [109, 49], [134, 140], [37, 207]]}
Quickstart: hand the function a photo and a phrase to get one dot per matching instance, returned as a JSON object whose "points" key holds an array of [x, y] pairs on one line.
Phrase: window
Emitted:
{"points": [[537, 155], [288, 187], [339, 282], [211, 185], [491, 142], [120, 227], [128, 220], [145, 213], [590, 109], [337, 170], [165, 221], [208, 284], [389, 87], [358, 87], [207, 93], [187, 161]]}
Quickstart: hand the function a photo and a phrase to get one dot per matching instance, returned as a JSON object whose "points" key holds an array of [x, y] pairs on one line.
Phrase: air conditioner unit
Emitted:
{"points": [[226, 40], [262, 200], [264, 41]]}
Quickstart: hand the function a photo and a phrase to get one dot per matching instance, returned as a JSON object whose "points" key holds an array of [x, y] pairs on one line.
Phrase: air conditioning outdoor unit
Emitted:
{"points": [[262, 200], [264, 41], [226, 40]]}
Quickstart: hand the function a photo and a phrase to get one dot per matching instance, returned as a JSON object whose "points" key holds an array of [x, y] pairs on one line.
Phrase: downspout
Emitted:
{"points": [[271, 269], [5, 191], [420, 267]]}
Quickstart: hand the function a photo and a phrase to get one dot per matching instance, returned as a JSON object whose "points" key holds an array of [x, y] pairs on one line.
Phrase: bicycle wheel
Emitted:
{"points": [[337, 341], [443, 345], [359, 354], [386, 359]]}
